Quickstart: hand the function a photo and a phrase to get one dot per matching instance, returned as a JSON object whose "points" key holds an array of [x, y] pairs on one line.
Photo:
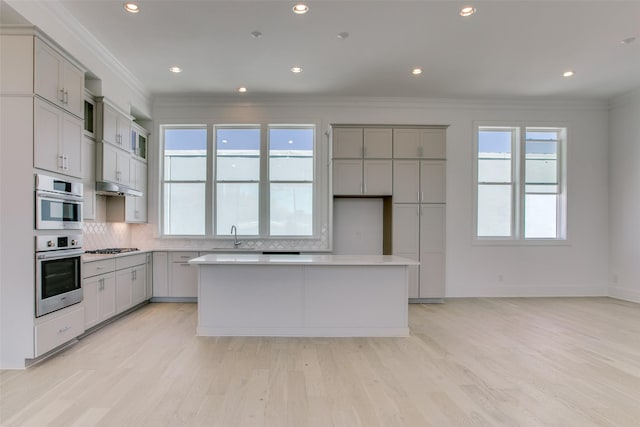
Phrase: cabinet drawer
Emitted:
{"points": [[93, 268], [183, 256], [130, 261], [55, 332]]}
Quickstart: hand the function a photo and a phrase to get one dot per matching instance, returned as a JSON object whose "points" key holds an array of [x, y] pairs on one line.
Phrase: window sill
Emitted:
{"points": [[520, 242]]}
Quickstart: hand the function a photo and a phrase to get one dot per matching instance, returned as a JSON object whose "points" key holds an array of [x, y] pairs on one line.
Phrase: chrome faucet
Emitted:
{"points": [[234, 231]]}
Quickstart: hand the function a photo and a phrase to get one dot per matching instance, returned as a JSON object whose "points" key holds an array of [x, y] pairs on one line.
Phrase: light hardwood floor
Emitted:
{"points": [[485, 362]]}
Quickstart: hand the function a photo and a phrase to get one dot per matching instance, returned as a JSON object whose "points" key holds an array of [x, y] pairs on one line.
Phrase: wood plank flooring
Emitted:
{"points": [[468, 362]]}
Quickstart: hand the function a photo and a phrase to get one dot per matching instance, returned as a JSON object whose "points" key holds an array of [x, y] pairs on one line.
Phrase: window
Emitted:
{"points": [[291, 181], [520, 183], [184, 180], [238, 180], [262, 179]]}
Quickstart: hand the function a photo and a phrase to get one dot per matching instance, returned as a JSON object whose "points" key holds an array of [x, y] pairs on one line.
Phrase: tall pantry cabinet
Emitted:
{"points": [[419, 197], [407, 163]]}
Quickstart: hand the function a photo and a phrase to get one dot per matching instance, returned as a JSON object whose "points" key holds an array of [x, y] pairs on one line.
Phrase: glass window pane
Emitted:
{"points": [[549, 189], [291, 154], [238, 168], [541, 160], [291, 168], [184, 208], [494, 210], [291, 210], [540, 216], [494, 155], [185, 167], [237, 204], [185, 154]]}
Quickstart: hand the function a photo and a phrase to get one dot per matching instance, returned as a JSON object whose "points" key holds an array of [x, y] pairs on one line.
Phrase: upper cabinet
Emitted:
{"points": [[355, 143], [57, 140], [114, 127], [58, 80], [139, 137], [419, 143]]}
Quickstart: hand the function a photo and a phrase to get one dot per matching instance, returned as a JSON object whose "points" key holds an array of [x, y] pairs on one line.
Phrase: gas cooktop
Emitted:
{"points": [[110, 251]]}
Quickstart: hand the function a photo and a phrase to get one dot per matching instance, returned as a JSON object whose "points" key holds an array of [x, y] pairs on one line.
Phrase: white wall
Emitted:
{"points": [[624, 197], [578, 268]]}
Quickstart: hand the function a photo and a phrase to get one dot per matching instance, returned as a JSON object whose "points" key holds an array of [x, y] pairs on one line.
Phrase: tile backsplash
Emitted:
{"points": [[99, 235]]}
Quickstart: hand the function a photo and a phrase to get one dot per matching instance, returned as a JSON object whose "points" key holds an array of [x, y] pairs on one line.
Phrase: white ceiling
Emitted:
{"points": [[508, 49]]}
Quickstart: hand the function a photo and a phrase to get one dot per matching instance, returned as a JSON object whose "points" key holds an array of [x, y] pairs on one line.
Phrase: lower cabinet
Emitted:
{"points": [[99, 298], [173, 276], [419, 234], [113, 285], [58, 328]]}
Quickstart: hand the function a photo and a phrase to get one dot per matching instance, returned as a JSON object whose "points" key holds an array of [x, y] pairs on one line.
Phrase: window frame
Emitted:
{"points": [[518, 170], [319, 217]]}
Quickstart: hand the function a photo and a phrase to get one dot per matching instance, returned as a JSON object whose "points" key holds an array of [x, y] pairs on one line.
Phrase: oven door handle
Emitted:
{"points": [[65, 197], [59, 254]]}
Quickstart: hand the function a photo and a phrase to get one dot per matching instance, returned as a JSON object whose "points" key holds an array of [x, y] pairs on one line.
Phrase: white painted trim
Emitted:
{"points": [[514, 291], [303, 332], [624, 294], [177, 101]]}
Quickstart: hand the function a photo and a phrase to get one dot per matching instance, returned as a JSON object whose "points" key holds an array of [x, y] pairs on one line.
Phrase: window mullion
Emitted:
{"points": [[263, 186]]}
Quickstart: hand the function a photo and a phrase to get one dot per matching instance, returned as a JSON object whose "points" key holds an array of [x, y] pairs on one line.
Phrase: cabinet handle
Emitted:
{"points": [[184, 264], [61, 163], [66, 97], [422, 196], [61, 99], [65, 161], [63, 330], [100, 268]]}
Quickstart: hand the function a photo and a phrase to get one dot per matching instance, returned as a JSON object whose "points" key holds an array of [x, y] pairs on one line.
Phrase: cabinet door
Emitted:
{"points": [[109, 163], [46, 137], [432, 251], [406, 181], [73, 84], [347, 177], [107, 297], [124, 133], [136, 209], [433, 144], [124, 167], [149, 276], [378, 177], [378, 143], [406, 143], [347, 143], [72, 145], [138, 174], [48, 68], [124, 289], [406, 239], [160, 274], [139, 289], [89, 178], [184, 280], [109, 125], [90, 289], [433, 186]]}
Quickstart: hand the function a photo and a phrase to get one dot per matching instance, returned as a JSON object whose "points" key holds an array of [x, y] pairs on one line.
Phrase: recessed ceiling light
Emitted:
{"points": [[242, 89], [290, 141], [416, 71], [131, 7], [343, 35], [568, 73], [467, 11], [628, 40], [256, 34], [300, 9], [175, 69], [296, 70]]}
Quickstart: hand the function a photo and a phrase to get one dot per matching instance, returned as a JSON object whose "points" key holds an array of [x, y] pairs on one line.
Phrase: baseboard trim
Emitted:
{"points": [[624, 294]]}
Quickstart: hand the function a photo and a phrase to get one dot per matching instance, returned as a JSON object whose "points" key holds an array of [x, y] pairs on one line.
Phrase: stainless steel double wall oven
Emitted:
{"points": [[58, 254]]}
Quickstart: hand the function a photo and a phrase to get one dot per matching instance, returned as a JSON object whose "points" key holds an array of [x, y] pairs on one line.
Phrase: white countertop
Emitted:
{"points": [[97, 257], [304, 259]]}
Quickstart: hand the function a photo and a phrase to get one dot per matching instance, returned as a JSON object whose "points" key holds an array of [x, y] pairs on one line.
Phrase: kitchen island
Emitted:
{"points": [[302, 295]]}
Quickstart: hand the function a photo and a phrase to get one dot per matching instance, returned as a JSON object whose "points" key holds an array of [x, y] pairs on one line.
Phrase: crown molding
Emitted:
{"points": [[56, 12], [178, 101]]}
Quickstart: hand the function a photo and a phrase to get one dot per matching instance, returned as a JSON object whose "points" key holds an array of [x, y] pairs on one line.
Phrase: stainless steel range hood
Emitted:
{"points": [[104, 188]]}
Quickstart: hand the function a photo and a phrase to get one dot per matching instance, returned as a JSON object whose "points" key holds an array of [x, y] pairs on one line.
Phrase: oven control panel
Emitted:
{"points": [[52, 243]]}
